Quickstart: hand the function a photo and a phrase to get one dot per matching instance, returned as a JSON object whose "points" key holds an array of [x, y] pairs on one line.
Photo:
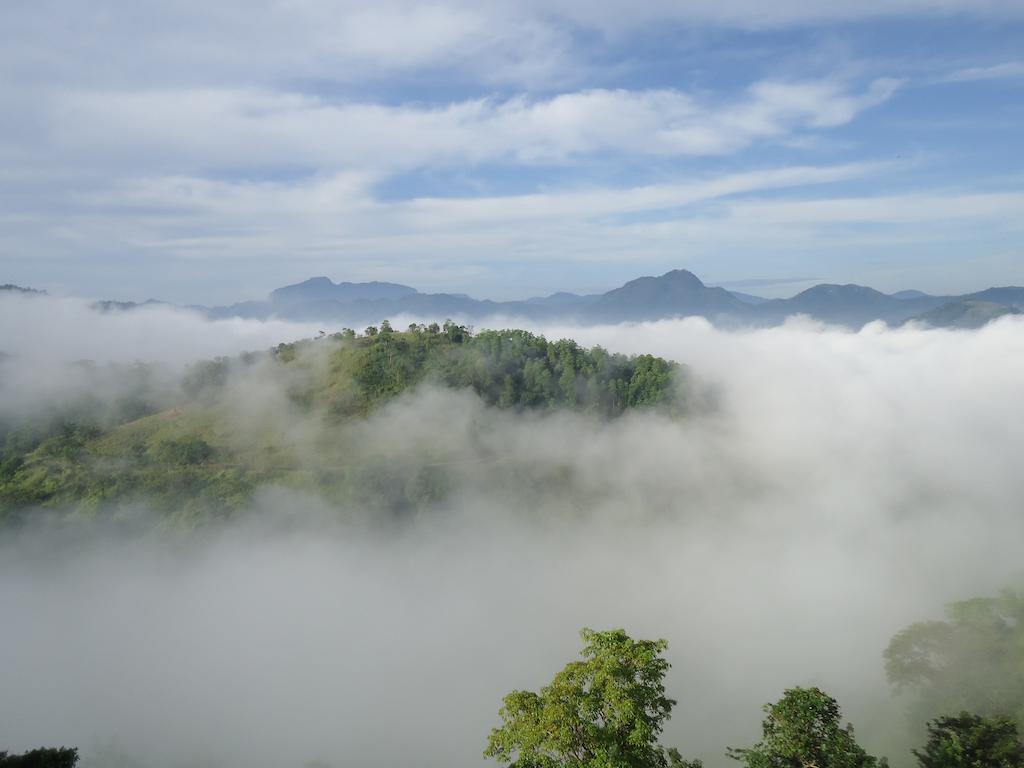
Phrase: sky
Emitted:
{"points": [[202, 152]]}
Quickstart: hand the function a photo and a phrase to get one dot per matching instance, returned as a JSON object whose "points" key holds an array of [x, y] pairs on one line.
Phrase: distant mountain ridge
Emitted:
{"points": [[851, 305], [677, 293], [12, 288], [968, 313], [322, 289]]}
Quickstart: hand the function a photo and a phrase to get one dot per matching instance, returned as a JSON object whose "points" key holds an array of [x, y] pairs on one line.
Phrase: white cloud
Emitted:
{"points": [[340, 212], [209, 128], [755, 14], [335, 225], [930, 208], [594, 204], [118, 42], [844, 485], [1008, 69], [135, 134], [340, 207], [121, 43]]}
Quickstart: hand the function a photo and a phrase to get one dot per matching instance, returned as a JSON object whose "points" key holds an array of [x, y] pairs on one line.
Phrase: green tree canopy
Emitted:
{"points": [[180, 451], [973, 661], [802, 730], [44, 757], [605, 711], [972, 741], [969, 740]]}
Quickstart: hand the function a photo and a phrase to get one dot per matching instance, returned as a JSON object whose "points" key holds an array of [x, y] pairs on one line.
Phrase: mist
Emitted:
{"points": [[824, 489]]}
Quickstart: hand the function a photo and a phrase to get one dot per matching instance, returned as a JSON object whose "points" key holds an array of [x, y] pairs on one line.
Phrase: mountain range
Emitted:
{"points": [[677, 293]]}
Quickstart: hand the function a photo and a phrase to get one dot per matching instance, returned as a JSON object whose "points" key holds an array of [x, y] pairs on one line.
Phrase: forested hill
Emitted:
{"points": [[295, 416]]}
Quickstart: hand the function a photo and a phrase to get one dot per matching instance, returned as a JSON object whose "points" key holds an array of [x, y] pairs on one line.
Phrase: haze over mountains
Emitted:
{"points": [[678, 293]]}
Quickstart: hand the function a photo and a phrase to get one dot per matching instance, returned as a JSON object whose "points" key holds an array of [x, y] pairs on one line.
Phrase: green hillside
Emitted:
{"points": [[296, 416]]}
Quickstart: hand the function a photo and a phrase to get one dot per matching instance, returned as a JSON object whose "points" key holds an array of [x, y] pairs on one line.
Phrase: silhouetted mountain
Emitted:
{"points": [[749, 298], [562, 299], [12, 288], [435, 305], [1010, 295], [968, 313], [123, 306], [317, 298], [851, 305], [678, 293], [322, 289]]}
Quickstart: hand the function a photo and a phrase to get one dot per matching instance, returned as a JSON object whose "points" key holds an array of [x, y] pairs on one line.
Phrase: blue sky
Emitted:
{"points": [[209, 152]]}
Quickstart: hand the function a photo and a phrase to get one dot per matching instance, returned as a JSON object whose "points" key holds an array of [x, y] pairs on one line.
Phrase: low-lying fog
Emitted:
{"points": [[830, 488]]}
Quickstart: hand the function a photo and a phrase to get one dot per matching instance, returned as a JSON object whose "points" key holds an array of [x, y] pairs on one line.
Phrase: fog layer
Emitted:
{"points": [[827, 489]]}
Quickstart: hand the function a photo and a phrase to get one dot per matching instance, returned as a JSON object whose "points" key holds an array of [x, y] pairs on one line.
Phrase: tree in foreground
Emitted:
{"points": [[44, 757], [802, 730], [973, 661], [605, 711], [972, 741]]}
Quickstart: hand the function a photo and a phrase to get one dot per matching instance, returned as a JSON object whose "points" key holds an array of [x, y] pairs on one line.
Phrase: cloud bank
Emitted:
{"points": [[826, 489]]}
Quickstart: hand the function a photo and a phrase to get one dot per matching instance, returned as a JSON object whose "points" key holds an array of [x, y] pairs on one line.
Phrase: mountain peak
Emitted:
{"points": [[909, 294], [317, 289], [681, 277], [674, 280], [835, 289], [675, 293]]}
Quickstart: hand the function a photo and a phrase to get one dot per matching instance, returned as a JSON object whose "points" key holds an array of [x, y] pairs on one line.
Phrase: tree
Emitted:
{"points": [[44, 757], [605, 711], [973, 661], [803, 730], [191, 450], [972, 741]]}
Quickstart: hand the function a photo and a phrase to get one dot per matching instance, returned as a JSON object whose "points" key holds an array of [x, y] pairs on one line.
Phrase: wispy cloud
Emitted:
{"points": [[1008, 69], [754, 14], [259, 129], [454, 136], [321, 221], [766, 282], [529, 43]]}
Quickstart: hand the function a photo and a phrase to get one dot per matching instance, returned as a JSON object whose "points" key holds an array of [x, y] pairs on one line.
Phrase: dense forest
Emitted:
{"points": [[192, 446]]}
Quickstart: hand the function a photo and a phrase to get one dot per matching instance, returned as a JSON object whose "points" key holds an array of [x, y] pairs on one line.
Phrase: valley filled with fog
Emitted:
{"points": [[462, 384], [819, 490]]}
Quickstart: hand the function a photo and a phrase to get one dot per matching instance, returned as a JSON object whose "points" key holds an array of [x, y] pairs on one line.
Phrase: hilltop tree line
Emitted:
{"points": [[507, 368], [44, 757], [164, 444]]}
